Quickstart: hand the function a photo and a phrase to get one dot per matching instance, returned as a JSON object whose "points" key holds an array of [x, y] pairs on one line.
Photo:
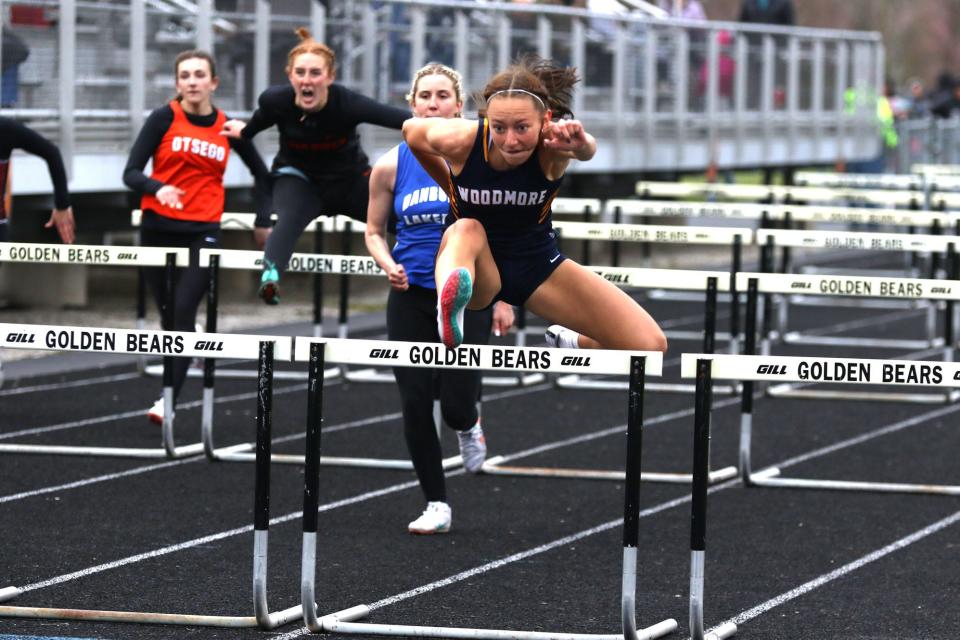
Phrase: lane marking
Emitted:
{"points": [[850, 567], [68, 385]]}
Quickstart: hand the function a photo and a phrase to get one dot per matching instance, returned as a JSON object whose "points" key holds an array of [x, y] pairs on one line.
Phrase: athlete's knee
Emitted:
{"points": [[467, 228]]}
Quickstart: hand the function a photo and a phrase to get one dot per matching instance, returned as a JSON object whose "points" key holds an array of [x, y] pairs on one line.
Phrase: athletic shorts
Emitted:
{"points": [[524, 265]]}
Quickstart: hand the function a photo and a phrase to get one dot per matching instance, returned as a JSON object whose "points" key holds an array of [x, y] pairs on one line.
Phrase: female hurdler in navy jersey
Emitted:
{"points": [[400, 186], [503, 171], [182, 200], [319, 167]]}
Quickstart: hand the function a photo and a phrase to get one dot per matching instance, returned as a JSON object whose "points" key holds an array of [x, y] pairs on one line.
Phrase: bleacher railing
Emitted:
{"points": [[660, 94]]}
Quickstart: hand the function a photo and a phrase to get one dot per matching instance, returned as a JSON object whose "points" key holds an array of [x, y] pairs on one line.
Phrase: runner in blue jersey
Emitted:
{"points": [[503, 172], [400, 186]]}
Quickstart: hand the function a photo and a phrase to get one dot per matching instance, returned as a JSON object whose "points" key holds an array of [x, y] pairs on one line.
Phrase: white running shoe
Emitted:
{"points": [[473, 448], [558, 336], [435, 518], [155, 414]]}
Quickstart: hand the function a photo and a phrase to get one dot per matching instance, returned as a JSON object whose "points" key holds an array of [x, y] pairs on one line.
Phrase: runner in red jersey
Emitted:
{"points": [[182, 200]]}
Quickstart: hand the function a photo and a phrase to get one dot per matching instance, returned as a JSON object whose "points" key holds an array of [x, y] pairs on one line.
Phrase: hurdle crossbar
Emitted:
{"points": [[780, 193], [858, 287], [806, 370], [907, 244], [265, 349], [485, 358], [781, 212], [168, 344]]}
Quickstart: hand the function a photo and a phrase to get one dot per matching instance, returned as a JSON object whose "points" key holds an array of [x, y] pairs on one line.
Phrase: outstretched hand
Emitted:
{"points": [[233, 128], [565, 135]]}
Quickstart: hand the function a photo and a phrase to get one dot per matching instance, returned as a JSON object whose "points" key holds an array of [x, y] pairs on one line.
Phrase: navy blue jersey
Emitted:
{"points": [[512, 205], [421, 207]]}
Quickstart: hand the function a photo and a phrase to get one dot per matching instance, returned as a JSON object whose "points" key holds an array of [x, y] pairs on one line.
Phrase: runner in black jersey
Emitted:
{"points": [[320, 167], [14, 135], [503, 173]]}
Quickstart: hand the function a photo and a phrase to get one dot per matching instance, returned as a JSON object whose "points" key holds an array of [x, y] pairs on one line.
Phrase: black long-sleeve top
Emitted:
{"points": [[14, 135], [323, 144], [150, 137]]}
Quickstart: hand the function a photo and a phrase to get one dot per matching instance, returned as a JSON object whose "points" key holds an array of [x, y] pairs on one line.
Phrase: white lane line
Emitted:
{"points": [[196, 542], [68, 385], [412, 484], [522, 555], [850, 567], [139, 412], [353, 424]]}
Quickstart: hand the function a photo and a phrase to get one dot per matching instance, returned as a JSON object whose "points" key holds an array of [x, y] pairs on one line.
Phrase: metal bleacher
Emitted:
{"points": [[97, 66]]}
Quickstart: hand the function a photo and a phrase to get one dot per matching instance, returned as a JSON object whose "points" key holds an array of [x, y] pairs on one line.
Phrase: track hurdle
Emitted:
{"points": [[935, 245], [793, 194], [264, 350], [168, 344], [806, 370], [867, 287], [787, 213], [215, 259], [233, 221], [78, 254], [494, 358], [936, 169], [860, 287]]}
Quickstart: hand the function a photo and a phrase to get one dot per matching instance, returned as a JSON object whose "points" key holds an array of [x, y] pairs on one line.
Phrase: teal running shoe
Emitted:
{"points": [[453, 299], [269, 290]]}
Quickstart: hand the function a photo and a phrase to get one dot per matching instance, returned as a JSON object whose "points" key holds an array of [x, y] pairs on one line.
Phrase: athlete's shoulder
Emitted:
{"points": [[277, 98]]}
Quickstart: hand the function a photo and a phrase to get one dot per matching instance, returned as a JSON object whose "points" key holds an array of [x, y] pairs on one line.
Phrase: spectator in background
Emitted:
{"points": [[779, 12], [725, 71], [917, 104], [683, 9], [946, 97], [15, 52]]}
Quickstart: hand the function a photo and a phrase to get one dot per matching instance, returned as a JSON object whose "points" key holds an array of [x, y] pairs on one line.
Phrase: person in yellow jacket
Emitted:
{"points": [[889, 139]]}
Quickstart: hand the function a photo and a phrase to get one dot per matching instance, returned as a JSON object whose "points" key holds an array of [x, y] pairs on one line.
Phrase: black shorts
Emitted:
{"points": [[524, 264]]}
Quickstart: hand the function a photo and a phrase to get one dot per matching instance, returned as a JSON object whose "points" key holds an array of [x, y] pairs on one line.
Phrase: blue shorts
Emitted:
{"points": [[524, 265]]}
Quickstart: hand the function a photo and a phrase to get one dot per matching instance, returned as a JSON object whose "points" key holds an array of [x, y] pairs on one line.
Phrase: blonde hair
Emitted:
{"points": [[436, 69], [308, 45]]}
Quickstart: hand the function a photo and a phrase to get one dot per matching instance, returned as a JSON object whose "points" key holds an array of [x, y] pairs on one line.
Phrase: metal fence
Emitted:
{"points": [[659, 94]]}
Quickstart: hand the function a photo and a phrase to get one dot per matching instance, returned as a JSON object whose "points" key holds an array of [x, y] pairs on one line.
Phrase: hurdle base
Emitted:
{"points": [[796, 337], [143, 617], [242, 453], [333, 625], [725, 630], [576, 381], [771, 478], [9, 593], [104, 452], [790, 390], [156, 371], [494, 467]]}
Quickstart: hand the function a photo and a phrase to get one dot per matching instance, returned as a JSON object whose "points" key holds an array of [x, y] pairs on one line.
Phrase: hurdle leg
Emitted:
{"points": [[701, 471], [209, 364], [311, 501]]}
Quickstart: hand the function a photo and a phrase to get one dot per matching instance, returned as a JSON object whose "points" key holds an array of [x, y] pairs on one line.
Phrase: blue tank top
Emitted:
{"points": [[420, 206], [513, 205]]}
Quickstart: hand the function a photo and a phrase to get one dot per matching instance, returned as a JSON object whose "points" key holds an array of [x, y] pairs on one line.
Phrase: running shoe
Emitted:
{"points": [[454, 297], [155, 413], [473, 448], [270, 283], [435, 518], [558, 336]]}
